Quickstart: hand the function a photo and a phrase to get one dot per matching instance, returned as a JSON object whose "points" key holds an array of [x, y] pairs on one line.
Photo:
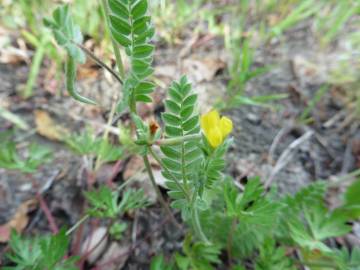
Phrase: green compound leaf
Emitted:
{"points": [[66, 32], [68, 35], [45, 252], [131, 28], [35, 157], [182, 161], [105, 203]]}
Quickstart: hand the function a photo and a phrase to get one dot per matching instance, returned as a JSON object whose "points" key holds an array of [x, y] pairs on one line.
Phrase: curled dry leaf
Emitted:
{"points": [[19, 221], [202, 69], [116, 256], [95, 244], [48, 128]]}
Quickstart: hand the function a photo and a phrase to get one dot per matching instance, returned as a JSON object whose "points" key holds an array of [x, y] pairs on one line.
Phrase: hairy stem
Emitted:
{"points": [[158, 192], [197, 225], [177, 140], [196, 220], [158, 159], [229, 241], [35, 67]]}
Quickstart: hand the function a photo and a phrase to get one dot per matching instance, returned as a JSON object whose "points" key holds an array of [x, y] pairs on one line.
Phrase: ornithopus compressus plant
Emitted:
{"points": [[231, 228]]}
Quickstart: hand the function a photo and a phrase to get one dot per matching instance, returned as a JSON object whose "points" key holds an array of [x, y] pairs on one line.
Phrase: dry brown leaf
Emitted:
{"points": [[18, 222], [202, 69], [116, 256], [96, 243], [48, 128], [134, 165]]}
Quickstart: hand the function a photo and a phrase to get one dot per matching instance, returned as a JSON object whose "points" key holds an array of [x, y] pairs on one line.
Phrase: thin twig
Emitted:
{"points": [[286, 155], [54, 228], [99, 61], [77, 224], [158, 192], [277, 139]]}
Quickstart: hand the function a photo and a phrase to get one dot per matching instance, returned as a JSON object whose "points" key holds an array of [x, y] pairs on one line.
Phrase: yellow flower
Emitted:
{"points": [[215, 128]]}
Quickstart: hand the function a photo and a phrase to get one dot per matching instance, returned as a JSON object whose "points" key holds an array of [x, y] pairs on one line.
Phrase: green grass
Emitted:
{"points": [[313, 102], [25, 17], [330, 22]]}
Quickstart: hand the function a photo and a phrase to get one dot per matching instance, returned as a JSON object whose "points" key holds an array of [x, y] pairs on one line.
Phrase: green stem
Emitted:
{"points": [[132, 101], [158, 159], [197, 225], [183, 173], [229, 241], [177, 140], [77, 224], [35, 67], [158, 192], [196, 220], [119, 62]]}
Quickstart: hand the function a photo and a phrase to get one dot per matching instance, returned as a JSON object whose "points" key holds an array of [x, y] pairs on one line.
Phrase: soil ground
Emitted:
{"points": [[261, 136]]}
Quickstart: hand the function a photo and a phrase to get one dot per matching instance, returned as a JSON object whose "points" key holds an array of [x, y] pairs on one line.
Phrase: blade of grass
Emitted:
{"points": [[341, 17], [301, 12], [318, 95], [35, 67], [13, 118]]}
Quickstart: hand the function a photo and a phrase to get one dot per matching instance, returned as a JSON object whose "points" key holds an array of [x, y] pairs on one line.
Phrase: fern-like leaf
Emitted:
{"points": [[181, 161], [131, 28]]}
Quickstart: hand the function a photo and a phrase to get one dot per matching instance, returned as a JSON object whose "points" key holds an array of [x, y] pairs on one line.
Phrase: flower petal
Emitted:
{"points": [[214, 137], [209, 120], [226, 126]]}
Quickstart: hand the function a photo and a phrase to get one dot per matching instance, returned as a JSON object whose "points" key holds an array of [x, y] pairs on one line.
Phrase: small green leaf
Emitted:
{"points": [[186, 112], [149, 33], [120, 38], [144, 88], [352, 195], [139, 66], [170, 152], [171, 119], [171, 164], [120, 25], [141, 25], [143, 51], [189, 101], [175, 95], [173, 131], [172, 106], [143, 98], [139, 9], [191, 123], [119, 9]]}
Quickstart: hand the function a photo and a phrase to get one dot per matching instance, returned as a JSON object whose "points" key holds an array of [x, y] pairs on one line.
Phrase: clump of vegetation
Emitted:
{"points": [[228, 227]]}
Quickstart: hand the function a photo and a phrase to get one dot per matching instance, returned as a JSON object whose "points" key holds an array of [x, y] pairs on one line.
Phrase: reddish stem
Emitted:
{"points": [[117, 257], [54, 228], [115, 170]]}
